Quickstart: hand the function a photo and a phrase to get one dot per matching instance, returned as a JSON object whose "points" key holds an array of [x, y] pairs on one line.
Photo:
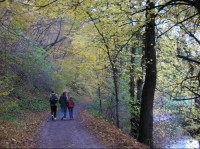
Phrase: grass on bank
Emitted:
{"points": [[11, 110]]}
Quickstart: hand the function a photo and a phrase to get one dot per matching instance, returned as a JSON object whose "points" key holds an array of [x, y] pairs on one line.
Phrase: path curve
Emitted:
{"points": [[67, 133]]}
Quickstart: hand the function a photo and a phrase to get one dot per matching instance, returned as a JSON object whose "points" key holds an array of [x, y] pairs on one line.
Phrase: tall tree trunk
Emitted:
{"points": [[116, 86], [146, 112], [132, 82], [133, 120], [139, 88], [100, 103], [140, 79]]}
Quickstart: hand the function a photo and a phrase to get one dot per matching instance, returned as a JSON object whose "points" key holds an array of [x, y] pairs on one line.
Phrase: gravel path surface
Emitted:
{"points": [[67, 133]]}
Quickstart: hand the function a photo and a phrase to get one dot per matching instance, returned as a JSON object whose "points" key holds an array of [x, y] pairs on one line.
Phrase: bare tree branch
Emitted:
{"points": [[195, 93], [193, 3], [42, 6], [177, 24], [188, 59], [190, 34], [56, 40]]}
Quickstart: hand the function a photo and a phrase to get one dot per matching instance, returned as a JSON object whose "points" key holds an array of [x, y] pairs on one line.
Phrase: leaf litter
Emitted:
{"points": [[109, 134], [24, 133]]}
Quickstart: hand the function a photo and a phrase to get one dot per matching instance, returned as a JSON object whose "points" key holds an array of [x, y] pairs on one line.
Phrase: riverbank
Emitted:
{"points": [[168, 131]]}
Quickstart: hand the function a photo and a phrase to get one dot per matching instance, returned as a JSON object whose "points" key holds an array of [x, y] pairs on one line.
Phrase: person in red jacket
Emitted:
{"points": [[71, 107]]}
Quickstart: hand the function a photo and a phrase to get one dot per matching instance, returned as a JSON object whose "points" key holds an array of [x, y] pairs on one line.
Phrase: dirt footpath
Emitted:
{"points": [[67, 133]]}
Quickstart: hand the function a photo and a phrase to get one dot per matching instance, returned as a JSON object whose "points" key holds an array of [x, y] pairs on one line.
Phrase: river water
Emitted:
{"points": [[183, 143], [177, 139]]}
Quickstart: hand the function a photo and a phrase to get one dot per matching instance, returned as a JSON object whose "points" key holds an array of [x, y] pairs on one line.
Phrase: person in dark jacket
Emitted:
{"points": [[53, 99], [63, 103]]}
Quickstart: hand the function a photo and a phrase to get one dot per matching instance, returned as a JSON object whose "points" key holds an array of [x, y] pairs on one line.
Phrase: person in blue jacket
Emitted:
{"points": [[63, 100]]}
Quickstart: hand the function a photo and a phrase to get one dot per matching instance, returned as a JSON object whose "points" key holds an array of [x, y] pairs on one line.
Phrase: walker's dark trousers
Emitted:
{"points": [[53, 110]]}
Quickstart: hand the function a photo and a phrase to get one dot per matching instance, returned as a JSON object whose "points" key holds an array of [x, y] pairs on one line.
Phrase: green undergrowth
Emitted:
{"points": [[11, 117], [94, 110], [11, 110], [34, 104]]}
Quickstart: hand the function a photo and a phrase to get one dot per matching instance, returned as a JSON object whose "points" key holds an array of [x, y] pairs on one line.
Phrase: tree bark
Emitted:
{"points": [[132, 93], [132, 82], [100, 103], [146, 112], [139, 88], [116, 86]]}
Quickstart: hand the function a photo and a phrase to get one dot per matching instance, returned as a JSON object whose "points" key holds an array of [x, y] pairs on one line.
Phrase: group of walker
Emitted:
{"points": [[65, 102]]}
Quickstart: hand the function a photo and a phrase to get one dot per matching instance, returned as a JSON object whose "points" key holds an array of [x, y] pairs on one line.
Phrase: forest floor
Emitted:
{"points": [[85, 131]]}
